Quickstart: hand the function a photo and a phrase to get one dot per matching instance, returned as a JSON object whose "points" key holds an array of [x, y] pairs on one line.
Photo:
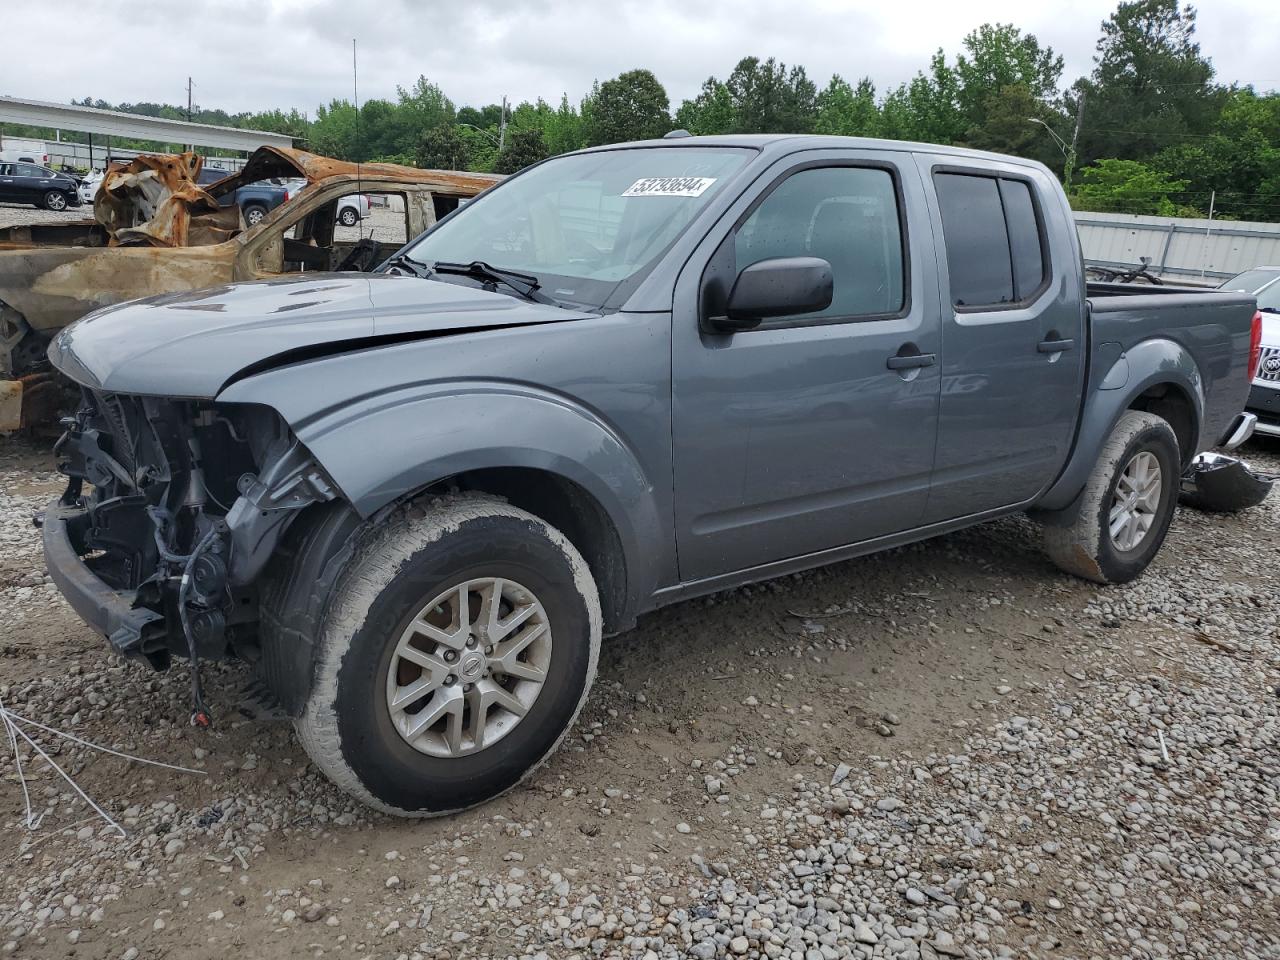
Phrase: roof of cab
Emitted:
{"points": [[784, 143]]}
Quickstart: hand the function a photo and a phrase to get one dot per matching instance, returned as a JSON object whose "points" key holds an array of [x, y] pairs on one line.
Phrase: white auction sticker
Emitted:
{"points": [[669, 187]]}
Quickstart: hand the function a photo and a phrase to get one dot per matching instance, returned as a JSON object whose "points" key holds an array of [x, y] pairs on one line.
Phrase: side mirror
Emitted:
{"points": [[779, 287]]}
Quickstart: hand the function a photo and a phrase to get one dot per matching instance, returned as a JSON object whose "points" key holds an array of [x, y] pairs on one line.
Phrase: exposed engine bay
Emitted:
{"points": [[186, 502]]}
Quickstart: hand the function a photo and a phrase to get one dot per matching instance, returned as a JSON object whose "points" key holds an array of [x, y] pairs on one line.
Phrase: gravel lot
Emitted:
{"points": [[949, 750]]}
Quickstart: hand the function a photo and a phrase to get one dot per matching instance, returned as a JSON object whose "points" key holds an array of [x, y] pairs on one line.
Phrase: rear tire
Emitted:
{"points": [[55, 200], [347, 217], [253, 214], [1127, 505], [367, 726]]}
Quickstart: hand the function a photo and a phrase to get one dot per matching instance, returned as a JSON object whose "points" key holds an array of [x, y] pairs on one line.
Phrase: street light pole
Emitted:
{"points": [[1071, 154], [1068, 149]]}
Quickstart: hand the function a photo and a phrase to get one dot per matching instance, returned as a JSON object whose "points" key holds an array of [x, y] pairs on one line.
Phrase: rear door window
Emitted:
{"points": [[993, 238]]}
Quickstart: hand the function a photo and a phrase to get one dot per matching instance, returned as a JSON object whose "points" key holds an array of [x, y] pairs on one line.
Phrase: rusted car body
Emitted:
{"points": [[155, 230]]}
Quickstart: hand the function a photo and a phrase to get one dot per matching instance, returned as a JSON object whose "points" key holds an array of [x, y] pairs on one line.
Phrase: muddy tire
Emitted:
{"points": [[1127, 504], [458, 647]]}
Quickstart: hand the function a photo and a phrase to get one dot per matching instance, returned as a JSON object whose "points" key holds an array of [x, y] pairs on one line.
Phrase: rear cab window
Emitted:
{"points": [[994, 237]]}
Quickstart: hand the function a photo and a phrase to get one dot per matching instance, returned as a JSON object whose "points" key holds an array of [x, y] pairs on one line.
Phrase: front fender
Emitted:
{"points": [[383, 446], [1113, 388]]}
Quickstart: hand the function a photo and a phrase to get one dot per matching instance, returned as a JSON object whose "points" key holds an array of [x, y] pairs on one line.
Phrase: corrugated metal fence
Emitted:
{"points": [[1180, 248]]}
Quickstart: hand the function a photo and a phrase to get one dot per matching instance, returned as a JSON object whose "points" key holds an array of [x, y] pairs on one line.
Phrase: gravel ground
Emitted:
{"points": [[948, 750]]}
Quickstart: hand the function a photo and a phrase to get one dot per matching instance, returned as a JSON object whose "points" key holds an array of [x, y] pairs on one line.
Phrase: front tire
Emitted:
{"points": [[1126, 507], [55, 200], [458, 647]]}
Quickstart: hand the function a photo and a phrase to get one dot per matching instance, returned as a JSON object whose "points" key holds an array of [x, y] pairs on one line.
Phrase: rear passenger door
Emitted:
{"points": [[31, 182], [1013, 336], [813, 431]]}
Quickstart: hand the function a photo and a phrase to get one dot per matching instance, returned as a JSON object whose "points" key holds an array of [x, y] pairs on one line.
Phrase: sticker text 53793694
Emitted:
{"points": [[669, 187]]}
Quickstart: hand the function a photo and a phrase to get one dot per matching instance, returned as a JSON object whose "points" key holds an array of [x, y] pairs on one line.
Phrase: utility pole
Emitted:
{"points": [[502, 125], [1071, 153], [189, 85]]}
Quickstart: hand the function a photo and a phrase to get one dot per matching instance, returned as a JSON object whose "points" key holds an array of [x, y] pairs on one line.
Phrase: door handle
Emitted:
{"points": [[1054, 346], [911, 361]]}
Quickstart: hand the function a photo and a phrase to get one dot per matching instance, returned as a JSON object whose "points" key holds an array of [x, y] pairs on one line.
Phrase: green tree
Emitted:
{"points": [[1151, 87], [928, 107], [523, 147], [631, 106], [848, 111], [710, 112], [769, 98], [757, 97], [1008, 126], [1127, 186], [443, 148], [334, 132], [420, 108], [1001, 57]]}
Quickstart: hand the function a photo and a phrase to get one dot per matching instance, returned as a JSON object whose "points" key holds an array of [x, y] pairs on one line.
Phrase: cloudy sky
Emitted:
{"points": [[256, 54]]}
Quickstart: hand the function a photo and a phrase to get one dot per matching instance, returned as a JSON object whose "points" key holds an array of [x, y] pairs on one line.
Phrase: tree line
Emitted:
{"points": [[1156, 133]]}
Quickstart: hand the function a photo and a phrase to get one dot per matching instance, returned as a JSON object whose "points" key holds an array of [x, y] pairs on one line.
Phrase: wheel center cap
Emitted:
{"points": [[471, 666]]}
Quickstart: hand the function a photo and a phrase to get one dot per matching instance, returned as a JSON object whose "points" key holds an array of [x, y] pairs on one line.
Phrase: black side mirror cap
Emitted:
{"points": [[778, 287]]}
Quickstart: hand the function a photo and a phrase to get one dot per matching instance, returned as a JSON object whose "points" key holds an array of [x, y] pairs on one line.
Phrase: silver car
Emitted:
{"points": [[1264, 397]]}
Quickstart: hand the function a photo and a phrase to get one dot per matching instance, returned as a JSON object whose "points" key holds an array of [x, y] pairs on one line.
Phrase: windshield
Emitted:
{"points": [[586, 225], [1252, 281]]}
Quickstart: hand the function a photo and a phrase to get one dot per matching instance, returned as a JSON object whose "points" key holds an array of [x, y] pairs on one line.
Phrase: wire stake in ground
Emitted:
{"points": [[11, 722]]}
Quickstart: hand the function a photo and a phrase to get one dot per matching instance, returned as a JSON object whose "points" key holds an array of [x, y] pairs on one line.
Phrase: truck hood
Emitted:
{"points": [[193, 344]]}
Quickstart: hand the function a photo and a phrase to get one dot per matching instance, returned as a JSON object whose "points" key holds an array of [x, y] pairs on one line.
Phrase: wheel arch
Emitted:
{"points": [[541, 451], [1158, 376]]}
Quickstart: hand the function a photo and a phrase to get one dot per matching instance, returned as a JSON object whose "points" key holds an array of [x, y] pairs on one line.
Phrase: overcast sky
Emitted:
{"points": [[257, 54]]}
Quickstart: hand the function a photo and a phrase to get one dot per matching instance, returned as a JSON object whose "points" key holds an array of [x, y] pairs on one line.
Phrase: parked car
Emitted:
{"points": [[173, 240], [621, 378], [1264, 398], [34, 184], [88, 186], [255, 200], [351, 209]]}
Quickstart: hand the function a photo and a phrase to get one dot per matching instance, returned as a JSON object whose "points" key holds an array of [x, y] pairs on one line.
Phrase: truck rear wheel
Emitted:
{"points": [[1127, 505], [454, 656]]}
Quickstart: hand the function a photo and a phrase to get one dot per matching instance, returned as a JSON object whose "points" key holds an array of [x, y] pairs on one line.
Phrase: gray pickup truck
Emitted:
{"points": [[626, 376]]}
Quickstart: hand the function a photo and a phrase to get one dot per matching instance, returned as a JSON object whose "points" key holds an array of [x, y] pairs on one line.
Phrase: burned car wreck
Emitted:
{"points": [[156, 230]]}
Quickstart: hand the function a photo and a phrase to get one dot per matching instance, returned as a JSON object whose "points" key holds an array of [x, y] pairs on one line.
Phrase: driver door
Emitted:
{"points": [[799, 436]]}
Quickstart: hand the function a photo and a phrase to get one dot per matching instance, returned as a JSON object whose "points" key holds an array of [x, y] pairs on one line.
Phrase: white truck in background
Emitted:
{"points": [[22, 150]]}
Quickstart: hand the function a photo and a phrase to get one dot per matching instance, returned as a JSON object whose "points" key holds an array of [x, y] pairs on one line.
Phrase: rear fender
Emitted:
{"points": [[1116, 389]]}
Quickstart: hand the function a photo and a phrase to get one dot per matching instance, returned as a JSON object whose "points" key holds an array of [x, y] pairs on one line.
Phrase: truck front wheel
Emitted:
{"points": [[454, 656], [1127, 504]]}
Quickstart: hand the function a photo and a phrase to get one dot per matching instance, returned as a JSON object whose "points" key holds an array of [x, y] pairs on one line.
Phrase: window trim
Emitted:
{"points": [[782, 323], [1046, 261]]}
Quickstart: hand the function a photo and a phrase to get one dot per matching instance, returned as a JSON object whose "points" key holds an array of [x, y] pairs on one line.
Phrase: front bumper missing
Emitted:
{"points": [[1221, 484], [110, 612]]}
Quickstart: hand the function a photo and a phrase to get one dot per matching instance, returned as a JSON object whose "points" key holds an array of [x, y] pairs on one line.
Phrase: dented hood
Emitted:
{"points": [[193, 344]]}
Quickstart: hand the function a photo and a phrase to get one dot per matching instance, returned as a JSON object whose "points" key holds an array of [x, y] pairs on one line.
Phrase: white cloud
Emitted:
{"points": [[284, 53]]}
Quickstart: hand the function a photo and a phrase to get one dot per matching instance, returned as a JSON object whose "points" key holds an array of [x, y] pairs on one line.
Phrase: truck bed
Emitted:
{"points": [[1211, 325]]}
